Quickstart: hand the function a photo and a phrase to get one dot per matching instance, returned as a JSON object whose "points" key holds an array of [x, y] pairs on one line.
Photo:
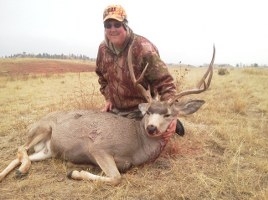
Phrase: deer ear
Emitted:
{"points": [[187, 108], [143, 107]]}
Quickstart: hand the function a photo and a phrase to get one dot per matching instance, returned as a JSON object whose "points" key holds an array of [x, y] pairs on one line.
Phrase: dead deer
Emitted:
{"points": [[112, 142]]}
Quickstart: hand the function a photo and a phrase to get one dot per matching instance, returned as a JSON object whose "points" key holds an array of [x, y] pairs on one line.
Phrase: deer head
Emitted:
{"points": [[158, 115]]}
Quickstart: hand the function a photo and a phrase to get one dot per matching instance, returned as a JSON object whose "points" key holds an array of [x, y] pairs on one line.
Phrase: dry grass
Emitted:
{"points": [[224, 154]]}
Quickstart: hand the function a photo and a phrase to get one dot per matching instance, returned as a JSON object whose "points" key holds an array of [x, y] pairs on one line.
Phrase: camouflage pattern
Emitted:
{"points": [[114, 78], [116, 12]]}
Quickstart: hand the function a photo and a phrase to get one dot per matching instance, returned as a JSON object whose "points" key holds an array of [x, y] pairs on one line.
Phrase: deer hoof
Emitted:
{"points": [[69, 175], [74, 175], [20, 175]]}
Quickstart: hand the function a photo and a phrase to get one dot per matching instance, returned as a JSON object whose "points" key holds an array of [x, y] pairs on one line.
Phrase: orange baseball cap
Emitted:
{"points": [[116, 12]]}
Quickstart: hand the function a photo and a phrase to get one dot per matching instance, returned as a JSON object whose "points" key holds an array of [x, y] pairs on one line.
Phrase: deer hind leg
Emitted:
{"points": [[22, 158], [107, 164], [9, 168], [42, 151], [26, 159], [38, 136]]}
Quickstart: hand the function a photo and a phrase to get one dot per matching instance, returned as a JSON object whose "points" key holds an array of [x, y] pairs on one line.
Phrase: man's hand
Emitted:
{"points": [[170, 130], [108, 106]]}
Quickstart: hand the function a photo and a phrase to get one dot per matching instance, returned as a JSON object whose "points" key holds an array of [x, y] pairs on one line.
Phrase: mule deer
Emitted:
{"points": [[112, 142]]}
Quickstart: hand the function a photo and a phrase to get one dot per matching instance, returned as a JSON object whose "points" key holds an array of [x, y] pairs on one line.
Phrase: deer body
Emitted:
{"points": [[86, 133]]}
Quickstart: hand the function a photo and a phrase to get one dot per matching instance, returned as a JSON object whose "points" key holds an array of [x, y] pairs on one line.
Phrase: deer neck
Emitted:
{"points": [[150, 147]]}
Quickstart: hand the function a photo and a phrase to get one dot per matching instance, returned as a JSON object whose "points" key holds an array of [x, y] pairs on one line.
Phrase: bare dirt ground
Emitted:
{"points": [[45, 66]]}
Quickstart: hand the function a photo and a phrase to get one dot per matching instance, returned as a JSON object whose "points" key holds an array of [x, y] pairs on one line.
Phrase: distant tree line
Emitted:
{"points": [[51, 56], [251, 65]]}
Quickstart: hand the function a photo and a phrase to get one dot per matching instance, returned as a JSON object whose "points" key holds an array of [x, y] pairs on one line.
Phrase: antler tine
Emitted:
{"points": [[202, 82], [208, 72], [144, 92]]}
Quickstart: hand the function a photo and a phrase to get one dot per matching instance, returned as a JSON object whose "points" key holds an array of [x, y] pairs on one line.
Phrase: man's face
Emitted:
{"points": [[115, 32]]}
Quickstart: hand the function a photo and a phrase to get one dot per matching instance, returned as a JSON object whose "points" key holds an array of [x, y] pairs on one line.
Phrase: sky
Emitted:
{"points": [[183, 30]]}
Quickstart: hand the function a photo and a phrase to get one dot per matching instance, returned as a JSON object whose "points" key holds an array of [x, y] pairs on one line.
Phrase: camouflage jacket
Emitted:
{"points": [[114, 78]]}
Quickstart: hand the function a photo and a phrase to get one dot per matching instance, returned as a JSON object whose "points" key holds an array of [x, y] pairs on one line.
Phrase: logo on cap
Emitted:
{"points": [[116, 12]]}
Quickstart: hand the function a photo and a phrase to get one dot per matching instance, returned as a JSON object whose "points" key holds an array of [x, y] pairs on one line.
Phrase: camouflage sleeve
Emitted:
{"points": [[99, 71], [157, 73]]}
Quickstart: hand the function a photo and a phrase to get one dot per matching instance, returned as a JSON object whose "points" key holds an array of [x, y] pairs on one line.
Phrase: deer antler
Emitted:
{"points": [[143, 91], [202, 82]]}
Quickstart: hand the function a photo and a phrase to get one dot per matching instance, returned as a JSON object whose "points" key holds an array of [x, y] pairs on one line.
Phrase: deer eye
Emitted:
{"points": [[147, 112], [167, 115]]}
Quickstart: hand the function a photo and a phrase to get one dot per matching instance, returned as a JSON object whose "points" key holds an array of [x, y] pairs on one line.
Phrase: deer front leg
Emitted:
{"points": [[107, 164]]}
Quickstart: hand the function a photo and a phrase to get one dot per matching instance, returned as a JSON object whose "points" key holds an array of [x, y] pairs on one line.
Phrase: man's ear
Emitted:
{"points": [[188, 107], [143, 107]]}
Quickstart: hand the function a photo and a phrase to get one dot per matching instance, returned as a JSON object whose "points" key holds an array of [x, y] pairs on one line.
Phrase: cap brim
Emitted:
{"points": [[116, 17]]}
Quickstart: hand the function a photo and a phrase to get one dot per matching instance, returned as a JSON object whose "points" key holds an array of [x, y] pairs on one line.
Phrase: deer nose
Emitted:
{"points": [[151, 129]]}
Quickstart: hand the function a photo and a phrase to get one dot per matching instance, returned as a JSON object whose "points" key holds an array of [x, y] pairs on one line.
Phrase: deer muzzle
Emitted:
{"points": [[152, 130]]}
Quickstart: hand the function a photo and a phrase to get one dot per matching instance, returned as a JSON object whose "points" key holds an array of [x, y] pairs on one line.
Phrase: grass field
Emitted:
{"points": [[224, 154]]}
